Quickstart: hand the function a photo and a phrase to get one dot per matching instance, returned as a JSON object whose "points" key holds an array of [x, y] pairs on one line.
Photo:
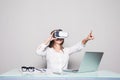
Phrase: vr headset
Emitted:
{"points": [[60, 34]]}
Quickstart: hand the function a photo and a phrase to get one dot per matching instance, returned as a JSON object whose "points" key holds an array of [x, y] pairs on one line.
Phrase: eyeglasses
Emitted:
{"points": [[29, 69]]}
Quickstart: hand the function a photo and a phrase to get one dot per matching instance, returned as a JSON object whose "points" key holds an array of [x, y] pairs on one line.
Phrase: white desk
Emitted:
{"points": [[98, 75]]}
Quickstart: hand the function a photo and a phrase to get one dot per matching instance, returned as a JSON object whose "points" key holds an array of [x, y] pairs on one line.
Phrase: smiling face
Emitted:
{"points": [[58, 41]]}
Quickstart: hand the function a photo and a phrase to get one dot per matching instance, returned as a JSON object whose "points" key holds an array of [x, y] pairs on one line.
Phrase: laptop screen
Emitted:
{"points": [[91, 61]]}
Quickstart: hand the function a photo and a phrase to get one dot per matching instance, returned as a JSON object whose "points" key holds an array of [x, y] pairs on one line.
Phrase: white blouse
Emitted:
{"points": [[57, 61]]}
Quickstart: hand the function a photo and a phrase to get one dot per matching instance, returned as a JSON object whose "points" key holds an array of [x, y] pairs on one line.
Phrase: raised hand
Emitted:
{"points": [[90, 36], [51, 37]]}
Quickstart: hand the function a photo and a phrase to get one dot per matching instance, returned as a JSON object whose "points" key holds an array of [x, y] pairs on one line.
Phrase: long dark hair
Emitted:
{"points": [[52, 42]]}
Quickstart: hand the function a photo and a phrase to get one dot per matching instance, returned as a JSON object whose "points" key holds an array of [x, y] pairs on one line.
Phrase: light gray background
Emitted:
{"points": [[24, 24]]}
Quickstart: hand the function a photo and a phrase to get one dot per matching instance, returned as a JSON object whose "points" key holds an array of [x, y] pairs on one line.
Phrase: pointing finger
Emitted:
{"points": [[91, 32]]}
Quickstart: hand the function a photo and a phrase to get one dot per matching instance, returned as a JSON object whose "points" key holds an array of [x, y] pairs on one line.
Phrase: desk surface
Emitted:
{"points": [[17, 73]]}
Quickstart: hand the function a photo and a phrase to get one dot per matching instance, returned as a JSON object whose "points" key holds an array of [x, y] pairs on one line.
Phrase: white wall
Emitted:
{"points": [[24, 24]]}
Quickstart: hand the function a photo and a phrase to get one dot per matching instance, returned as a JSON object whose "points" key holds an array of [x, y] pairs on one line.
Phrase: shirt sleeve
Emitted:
{"points": [[75, 48], [42, 49]]}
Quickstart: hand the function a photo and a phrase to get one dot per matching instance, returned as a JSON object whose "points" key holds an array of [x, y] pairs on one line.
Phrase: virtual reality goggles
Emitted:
{"points": [[60, 34]]}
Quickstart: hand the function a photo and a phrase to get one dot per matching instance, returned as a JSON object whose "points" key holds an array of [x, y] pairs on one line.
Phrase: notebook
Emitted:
{"points": [[90, 62]]}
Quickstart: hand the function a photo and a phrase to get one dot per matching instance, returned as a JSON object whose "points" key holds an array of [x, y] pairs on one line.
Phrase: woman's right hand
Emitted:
{"points": [[50, 38]]}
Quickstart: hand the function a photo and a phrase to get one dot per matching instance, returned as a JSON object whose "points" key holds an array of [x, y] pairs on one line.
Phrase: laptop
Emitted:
{"points": [[90, 62]]}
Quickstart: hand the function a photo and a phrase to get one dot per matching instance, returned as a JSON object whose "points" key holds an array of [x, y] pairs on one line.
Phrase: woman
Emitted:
{"points": [[56, 55]]}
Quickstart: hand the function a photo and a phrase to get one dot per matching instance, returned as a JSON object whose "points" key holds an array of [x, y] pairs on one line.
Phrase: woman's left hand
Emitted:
{"points": [[90, 36]]}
